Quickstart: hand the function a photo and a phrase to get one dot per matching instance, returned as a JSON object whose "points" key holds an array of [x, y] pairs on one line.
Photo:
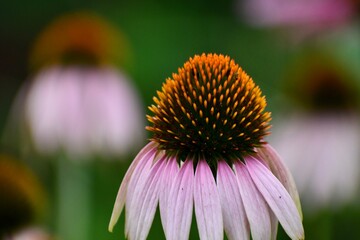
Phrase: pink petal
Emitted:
{"points": [[257, 211], [168, 178], [207, 203], [180, 204], [41, 109], [137, 179], [143, 156], [144, 202], [72, 125], [277, 197], [235, 222], [278, 168]]}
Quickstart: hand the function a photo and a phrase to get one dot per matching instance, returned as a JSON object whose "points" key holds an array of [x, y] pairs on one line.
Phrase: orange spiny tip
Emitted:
{"points": [[210, 108]]}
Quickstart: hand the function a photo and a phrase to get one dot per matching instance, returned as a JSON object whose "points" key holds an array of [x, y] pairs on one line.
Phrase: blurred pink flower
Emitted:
{"points": [[83, 110], [78, 100], [319, 137], [207, 153], [322, 151], [300, 17]]}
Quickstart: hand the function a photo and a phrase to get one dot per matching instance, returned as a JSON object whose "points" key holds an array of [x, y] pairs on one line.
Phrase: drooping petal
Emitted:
{"points": [[139, 177], [235, 222], [140, 159], [180, 204], [277, 166], [257, 211], [207, 204], [142, 209], [277, 198], [168, 178]]}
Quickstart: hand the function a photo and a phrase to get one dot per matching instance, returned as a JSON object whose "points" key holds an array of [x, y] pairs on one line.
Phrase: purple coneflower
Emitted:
{"points": [[324, 121], [208, 152], [79, 101], [302, 18]]}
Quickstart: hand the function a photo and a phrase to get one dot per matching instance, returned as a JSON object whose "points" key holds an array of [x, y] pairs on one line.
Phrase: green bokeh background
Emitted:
{"points": [[163, 35]]}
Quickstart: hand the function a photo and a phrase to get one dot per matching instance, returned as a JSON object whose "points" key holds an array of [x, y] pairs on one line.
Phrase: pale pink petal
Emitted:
{"points": [[257, 211], [72, 129], [207, 203], [144, 202], [171, 170], [143, 156], [135, 189], [135, 186], [41, 109], [277, 197], [278, 168], [235, 222], [180, 204]]}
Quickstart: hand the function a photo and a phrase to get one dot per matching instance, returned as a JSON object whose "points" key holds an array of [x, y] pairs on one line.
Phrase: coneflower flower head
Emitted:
{"points": [[210, 109], [207, 150]]}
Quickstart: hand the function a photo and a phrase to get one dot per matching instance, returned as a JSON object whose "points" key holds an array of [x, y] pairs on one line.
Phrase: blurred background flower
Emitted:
{"points": [[78, 100], [83, 111], [79, 105], [80, 38], [22, 201], [319, 133], [162, 35], [300, 19]]}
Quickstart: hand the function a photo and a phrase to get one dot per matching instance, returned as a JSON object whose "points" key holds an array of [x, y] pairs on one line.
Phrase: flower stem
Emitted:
{"points": [[74, 200]]}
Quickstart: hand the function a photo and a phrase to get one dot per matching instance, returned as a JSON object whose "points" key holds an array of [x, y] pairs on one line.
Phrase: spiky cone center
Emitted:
{"points": [[211, 108]]}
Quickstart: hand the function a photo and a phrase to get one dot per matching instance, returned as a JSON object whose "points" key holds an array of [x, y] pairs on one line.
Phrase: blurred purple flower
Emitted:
{"points": [[78, 100], [301, 18], [320, 137], [322, 151], [83, 110]]}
